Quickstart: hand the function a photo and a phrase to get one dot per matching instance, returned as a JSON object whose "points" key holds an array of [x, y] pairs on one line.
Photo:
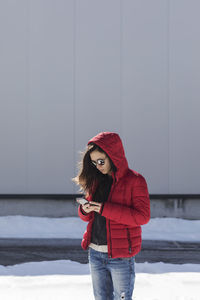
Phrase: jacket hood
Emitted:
{"points": [[111, 143]]}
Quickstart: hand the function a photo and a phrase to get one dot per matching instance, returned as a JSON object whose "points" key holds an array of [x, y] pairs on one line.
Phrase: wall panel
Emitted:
{"points": [[145, 90], [51, 135], [97, 69], [184, 96], [13, 96]]}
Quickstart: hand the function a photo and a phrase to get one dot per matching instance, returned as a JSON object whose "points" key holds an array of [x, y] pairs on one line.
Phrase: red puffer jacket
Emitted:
{"points": [[127, 207]]}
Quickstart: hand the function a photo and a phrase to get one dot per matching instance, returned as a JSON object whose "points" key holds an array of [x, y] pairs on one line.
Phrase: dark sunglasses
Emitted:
{"points": [[99, 162]]}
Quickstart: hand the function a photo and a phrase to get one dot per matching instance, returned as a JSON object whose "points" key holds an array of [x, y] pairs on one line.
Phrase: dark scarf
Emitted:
{"points": [[99, 234]]}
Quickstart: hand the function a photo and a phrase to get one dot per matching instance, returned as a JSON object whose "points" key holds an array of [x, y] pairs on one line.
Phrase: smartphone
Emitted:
{"points": [[81, 201]]}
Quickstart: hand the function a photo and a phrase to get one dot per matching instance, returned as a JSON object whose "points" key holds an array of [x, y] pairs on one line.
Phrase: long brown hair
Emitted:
{"points": [[89, 176]]}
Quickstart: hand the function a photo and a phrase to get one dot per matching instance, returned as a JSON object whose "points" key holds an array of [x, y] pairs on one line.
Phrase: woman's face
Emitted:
{"points": [[101, 161]]}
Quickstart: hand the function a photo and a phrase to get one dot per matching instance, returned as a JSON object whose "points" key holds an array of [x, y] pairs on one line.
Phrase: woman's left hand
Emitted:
{"points": [[95, 206]]}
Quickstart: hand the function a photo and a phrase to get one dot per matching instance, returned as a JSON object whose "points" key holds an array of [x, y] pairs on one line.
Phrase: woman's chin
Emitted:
{"points": [[103, 172]]}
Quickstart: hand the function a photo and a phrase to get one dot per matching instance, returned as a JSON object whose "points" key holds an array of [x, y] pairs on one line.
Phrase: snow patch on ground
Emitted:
{"points": [[170, 229], [62, 280]]}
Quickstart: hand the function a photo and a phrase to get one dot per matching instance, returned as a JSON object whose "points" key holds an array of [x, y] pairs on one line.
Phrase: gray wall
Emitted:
{"points": [[71, 68], [185, 208]]}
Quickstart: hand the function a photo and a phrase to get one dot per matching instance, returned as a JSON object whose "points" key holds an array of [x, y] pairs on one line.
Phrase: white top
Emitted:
{"points": [[100, 248]]}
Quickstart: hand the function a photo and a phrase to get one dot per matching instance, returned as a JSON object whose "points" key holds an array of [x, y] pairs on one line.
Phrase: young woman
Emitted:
{"points": [[118, 204]]}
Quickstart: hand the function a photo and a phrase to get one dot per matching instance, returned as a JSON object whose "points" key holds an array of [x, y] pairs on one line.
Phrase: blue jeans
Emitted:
{"points": [[112, 278]]}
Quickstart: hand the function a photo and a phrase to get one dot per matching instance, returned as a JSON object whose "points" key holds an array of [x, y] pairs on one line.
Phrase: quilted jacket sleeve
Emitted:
{"points": [[85, 217], [135, 215]]}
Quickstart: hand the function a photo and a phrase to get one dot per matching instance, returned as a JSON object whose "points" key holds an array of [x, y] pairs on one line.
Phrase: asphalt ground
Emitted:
{"points": [[16, 251]]}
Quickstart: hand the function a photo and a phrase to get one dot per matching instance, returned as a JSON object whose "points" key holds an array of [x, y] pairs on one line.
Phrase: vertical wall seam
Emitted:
{"points": [[169, 98], [121, 68], [28, 98], [74, 90]]}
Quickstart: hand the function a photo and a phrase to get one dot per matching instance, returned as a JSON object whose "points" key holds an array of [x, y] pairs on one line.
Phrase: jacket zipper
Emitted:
{"points": [[129, 241], [110, 240], [110, 254]]}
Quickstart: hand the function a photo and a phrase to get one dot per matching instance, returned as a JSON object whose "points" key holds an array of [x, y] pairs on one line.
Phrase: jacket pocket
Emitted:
{"points": [[129, 240]]}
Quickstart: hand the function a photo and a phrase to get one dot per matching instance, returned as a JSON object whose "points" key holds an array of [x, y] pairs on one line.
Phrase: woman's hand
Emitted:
{"points": [[92, 206]]}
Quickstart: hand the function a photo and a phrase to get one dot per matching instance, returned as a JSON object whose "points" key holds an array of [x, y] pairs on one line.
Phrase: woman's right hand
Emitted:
{"points": [[92, 206], [87, 208]]}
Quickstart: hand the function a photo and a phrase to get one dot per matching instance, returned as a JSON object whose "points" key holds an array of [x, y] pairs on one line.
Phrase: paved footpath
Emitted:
{"points": [[16, 251]]}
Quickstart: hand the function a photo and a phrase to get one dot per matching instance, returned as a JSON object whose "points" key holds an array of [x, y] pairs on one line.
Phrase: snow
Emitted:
{"points": [[71, 280], [35, 227], [171, 229], [61, 280]]}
